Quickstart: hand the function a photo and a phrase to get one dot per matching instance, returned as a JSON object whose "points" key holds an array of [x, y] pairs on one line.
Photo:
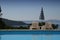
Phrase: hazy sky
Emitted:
{"points": [[30, 9]]}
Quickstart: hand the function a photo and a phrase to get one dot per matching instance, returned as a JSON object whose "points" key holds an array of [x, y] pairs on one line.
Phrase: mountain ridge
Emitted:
{"points": [[13, 22]]}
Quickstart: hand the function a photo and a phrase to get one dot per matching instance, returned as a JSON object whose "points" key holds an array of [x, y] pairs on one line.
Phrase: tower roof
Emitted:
{"points": [[42, 9], [41, 14]]}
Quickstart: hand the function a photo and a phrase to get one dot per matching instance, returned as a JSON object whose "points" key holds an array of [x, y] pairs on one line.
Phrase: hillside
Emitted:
{"points": [[13, 23]]}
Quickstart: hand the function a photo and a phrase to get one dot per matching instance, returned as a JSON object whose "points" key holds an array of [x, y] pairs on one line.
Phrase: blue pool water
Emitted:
{"points": [[30, 37]]}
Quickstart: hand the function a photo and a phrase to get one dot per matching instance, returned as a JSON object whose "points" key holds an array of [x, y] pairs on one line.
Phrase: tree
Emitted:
{"points": [[41, 23], [55, 26], [2, 24]]}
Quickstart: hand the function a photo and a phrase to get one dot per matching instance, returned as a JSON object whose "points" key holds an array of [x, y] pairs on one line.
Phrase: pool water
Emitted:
{"points": [[30, 37]]}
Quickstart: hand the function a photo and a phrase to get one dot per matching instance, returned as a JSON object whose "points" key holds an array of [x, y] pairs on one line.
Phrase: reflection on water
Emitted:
{"points": [[30, 37]]}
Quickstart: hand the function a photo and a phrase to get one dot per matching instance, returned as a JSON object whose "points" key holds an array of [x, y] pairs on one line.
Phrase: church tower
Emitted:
{"points": [[41, 15]]}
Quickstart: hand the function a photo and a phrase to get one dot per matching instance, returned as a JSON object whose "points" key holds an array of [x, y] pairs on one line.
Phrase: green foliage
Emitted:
{"points": [[55, 26], [41, 23], [2, 24], [21, 27]]}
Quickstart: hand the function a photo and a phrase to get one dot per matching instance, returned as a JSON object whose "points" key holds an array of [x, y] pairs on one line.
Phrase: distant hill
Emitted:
{"points": [[54, 21], [29, 22], [13, 23]]}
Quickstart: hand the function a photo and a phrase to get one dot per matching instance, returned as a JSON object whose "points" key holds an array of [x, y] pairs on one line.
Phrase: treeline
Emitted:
{"points": [[10, 27]]}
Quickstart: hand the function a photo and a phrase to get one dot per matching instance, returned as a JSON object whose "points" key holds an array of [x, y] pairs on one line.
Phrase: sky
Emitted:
{"points": [[30, 9]]}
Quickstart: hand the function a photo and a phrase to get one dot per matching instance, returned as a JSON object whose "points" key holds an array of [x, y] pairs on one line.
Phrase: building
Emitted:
{"points": [[47, 26], [35, 25]]}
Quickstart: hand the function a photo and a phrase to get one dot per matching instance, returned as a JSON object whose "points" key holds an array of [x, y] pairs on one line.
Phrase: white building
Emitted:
{"points": [[35, 25]]}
